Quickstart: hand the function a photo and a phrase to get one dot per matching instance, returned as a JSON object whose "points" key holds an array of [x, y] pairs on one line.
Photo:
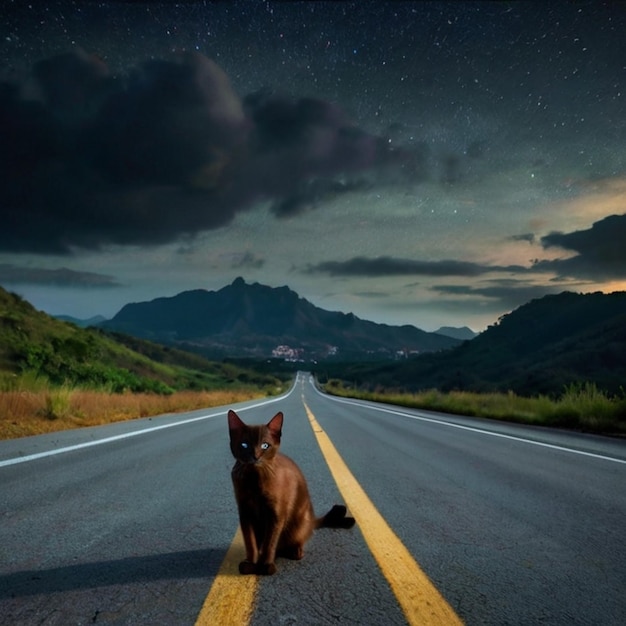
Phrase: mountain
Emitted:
{"points": [[464, 333], [539, 348], [256, 320], [40, 346], [92, 321]]}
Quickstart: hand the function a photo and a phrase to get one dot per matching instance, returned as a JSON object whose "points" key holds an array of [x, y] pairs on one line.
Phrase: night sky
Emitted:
{"points": [[425, 163]]}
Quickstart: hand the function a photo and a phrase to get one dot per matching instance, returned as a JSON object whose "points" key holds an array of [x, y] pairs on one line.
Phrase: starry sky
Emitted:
{"points": [[425, 163]]}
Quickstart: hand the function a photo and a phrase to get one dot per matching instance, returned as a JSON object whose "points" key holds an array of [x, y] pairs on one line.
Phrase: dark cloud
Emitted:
{"points": [[72, 85], [302, 151], [13, 275], [600, 255], [374, 295], [600, 251], [390, 266], [505, 294], [176, 123], [247, 260], [311, 194], [167, 150]]}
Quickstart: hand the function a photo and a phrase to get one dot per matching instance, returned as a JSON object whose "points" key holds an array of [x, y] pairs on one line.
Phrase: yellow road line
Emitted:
{"points": [[231, 598], [419, 599]]}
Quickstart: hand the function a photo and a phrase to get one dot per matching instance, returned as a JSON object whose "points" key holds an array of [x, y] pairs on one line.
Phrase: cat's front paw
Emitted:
{"points": [[266, 569], [246, 567]]}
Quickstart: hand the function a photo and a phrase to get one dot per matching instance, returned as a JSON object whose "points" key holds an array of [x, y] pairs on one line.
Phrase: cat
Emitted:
{"points": [[275, 510]]}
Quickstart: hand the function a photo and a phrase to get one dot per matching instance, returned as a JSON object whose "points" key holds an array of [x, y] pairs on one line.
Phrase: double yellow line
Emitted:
{"points": [[231, 598]]}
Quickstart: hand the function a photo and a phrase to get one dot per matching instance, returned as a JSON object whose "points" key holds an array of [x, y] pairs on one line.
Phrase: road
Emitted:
{"points": [[131, 523]]}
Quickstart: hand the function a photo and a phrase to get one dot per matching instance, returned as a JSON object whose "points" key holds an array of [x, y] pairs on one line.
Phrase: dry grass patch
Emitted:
{"points": [[24, 413]]}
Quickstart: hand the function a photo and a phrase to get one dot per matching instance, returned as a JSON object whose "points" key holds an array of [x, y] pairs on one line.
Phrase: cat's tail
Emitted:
{"points": [[335, 518]]}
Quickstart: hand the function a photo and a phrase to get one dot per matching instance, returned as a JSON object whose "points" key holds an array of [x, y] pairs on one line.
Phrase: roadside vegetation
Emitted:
{"points": [[36, 407], [580, 407], [31, 404], [55, 375]]}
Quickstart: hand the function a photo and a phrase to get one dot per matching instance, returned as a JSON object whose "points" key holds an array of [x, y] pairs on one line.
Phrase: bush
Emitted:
{"points": [[584, 406], [58, 403]]}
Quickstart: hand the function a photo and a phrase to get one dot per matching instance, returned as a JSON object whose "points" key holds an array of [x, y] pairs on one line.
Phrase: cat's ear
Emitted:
{"points": [[234, 421], [276, 424]]}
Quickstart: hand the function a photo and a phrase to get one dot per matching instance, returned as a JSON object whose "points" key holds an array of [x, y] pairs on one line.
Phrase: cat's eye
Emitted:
{"points": [[265, 445], [244, 445]]}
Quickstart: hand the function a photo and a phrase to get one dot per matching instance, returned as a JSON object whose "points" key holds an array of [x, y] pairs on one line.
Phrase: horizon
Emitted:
{"points": [[247, 283]]}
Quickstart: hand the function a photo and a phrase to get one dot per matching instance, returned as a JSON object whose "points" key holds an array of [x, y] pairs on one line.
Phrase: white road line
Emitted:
{"points": [[473, 429], [88, 444]]}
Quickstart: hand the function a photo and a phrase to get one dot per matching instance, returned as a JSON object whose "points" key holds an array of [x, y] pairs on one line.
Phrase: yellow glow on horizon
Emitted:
{"points": [[609, 287]]}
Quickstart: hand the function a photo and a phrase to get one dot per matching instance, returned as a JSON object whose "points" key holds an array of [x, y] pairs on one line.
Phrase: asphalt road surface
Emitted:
{"points": [[131, 523]]}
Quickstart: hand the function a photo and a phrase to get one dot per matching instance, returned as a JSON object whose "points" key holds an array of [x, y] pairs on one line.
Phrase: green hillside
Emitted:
{"points": [[36, 345], [539, 348]]}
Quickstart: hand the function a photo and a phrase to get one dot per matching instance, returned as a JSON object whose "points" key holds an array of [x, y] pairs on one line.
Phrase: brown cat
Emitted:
{"points": [[275, 510]]}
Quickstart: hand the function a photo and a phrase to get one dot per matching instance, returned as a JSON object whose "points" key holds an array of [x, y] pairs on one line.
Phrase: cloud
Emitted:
{"points": [[390, 266], [505, 294], [246, 260], [62, 277], [312, 193], [600, 251], [529, 237], [600, 255], [165, 151], [376, 295]]}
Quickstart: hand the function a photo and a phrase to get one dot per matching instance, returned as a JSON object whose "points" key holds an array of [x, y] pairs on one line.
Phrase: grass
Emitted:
{"points": [[580, 407], [48, 409], [36, 346]]}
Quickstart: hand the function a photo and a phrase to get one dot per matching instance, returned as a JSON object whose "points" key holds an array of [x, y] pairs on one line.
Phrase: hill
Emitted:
{"points": [[464, 333], [256, 320], [35, 343], [539, 348], [92, 321]]}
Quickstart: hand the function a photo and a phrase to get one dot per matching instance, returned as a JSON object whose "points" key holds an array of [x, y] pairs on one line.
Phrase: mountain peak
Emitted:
{"points": [[464, 333], [252, 319]]}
